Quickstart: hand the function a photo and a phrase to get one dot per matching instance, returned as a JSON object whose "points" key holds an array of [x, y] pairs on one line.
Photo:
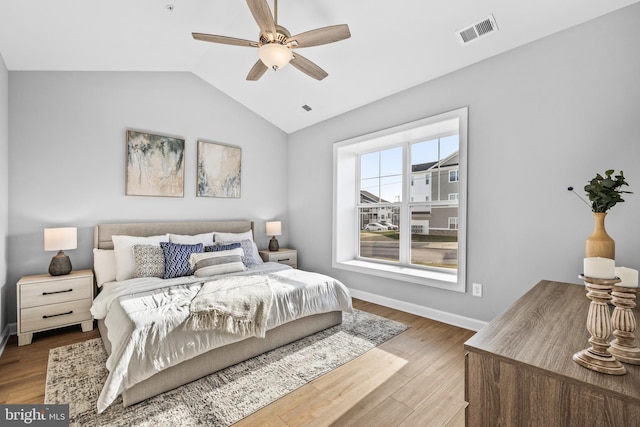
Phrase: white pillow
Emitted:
{"points": [[104, 265], [123, 248], [233, 237], [182, 239], [238, 237]]}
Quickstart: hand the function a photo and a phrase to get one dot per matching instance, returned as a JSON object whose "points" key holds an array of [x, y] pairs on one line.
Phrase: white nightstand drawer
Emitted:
{"points": [[288, 258], [51, 316], [53, 292], [283, 256]]}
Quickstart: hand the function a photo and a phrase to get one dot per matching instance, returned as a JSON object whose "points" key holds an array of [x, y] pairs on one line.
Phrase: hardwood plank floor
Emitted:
{"points": [[414, 379]]}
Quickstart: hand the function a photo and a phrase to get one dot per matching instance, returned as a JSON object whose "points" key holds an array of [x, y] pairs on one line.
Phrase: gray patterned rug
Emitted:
{"points": [[75, 374]]}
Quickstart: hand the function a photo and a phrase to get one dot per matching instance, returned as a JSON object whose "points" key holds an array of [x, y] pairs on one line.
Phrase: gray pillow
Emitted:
{"points": [[149, 261]]}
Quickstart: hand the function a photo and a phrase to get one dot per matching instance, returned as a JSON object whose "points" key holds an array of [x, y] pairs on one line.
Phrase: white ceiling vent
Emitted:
{"points": [[481, 28]]}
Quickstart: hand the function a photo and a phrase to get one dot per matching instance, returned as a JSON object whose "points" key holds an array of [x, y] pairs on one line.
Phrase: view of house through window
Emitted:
{"points": [[424, 193]]}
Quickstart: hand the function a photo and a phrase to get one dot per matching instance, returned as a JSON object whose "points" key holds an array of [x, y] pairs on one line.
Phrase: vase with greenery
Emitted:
{"points": [[604, 192]]}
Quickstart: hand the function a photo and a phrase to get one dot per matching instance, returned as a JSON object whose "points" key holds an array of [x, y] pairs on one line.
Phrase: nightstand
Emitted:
{"points": [[48, 302], [283, 256]]}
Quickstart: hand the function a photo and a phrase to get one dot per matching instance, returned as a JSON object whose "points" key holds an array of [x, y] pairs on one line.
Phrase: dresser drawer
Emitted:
{"points": [[53, 292], [54, 315]]}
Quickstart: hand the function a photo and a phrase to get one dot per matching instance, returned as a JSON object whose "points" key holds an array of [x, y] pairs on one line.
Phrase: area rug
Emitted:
{"points": [[76, 373]]}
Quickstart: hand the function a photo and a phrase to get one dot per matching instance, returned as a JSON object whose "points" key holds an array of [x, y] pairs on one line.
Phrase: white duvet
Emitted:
{"points": [[145, 319]]}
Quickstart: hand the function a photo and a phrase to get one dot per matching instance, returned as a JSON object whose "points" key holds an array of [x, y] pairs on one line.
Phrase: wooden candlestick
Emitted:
{"points": [[624, 347], [597, 357]]}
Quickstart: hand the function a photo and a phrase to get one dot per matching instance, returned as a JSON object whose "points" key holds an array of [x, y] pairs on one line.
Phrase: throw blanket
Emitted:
{"points": [[238, 306]]}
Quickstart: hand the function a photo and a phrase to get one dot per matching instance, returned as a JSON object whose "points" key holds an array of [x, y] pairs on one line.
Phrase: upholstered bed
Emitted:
{"points": [[290, 322]]}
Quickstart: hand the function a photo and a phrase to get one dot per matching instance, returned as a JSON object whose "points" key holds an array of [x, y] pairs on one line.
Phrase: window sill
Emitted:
{"points": [[406, 274]]}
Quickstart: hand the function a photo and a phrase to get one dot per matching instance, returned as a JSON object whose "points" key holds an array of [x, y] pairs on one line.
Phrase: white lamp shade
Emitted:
{"points": [[59, 239], [274, 228], [275, 55]]}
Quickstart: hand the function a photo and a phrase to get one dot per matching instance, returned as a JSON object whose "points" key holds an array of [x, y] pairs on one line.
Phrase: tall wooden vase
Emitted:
{"points": [[600, 244]]}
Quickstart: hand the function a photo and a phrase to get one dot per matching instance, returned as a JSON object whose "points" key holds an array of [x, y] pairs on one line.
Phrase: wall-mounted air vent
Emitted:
{"points": [[473, 32]]}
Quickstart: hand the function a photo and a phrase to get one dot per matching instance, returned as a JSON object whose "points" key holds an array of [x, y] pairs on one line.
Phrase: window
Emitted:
{"points": [[453, 223], [408, 176]]}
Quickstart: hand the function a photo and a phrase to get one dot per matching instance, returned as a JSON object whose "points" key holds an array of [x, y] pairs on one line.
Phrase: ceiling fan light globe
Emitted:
{"points": [[275, 55]]}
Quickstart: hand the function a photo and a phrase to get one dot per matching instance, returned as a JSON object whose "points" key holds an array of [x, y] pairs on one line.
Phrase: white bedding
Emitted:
{"points": [[145, 319]]}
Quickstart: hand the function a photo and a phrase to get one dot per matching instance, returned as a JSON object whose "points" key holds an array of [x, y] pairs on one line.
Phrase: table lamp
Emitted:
{"points": [[59, 239], [274, 228]]}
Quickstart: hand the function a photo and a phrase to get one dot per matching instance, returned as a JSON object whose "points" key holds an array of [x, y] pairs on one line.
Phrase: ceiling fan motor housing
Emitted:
{"points": [[282, 34]]}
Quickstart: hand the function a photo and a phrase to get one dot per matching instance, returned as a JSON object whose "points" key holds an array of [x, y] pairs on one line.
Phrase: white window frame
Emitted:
{"points": [[457, 172], [453, 196], [346, 228]]}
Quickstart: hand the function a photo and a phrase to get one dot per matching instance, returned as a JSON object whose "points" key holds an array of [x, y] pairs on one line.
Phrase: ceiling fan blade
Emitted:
{"points": [[257, 71], [308, 67], [320, 36], [262, 14], [224, 40]]}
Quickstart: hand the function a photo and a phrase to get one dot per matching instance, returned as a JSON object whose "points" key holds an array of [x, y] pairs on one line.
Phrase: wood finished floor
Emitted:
{"points": [[414, 379]]}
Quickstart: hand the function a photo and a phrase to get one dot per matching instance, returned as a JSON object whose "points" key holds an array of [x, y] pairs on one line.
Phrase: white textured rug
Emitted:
{"points": [[75, 374]]}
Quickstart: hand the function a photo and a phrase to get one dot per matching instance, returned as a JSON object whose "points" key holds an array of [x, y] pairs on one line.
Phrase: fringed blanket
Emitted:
{"points": [[237, 305]]}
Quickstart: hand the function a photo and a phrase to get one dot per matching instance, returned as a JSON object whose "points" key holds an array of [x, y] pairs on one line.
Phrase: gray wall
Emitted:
{"points": [[67, 145], [541, 117], [4, 189]]}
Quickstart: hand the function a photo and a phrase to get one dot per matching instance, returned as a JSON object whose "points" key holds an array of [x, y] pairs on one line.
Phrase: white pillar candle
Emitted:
{"points": [[628, 277], [599, 268]]}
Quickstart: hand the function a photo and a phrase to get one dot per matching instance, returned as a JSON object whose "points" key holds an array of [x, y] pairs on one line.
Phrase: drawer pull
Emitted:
{"points": [[54, 315], [283, 259], [57, 292]]}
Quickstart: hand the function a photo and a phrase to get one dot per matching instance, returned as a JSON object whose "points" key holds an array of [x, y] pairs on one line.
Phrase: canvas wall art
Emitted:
{"points": [[155, 165], [219, 170]]}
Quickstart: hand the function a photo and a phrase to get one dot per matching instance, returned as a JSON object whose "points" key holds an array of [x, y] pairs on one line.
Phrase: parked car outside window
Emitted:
{"points": [[389, 225], [374, 226]]}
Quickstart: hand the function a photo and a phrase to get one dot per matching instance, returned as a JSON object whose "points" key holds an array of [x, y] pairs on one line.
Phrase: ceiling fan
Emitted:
{"points": [[276, 45]]}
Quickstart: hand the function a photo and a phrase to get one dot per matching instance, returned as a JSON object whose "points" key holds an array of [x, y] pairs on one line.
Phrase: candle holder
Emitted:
{"points": [[624, 347], [597, 357]]}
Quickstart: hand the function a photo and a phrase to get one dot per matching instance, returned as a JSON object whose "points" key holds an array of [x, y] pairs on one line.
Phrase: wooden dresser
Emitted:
{"points": [[519, 370]]}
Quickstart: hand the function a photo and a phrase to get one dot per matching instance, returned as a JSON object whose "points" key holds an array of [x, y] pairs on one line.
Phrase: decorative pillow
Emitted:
{"points": [[104, 265], [123, 247], [238, 237], [218, 262], [149, 261], [222, 247], [182, 239], [176, 259], [247, 246]]}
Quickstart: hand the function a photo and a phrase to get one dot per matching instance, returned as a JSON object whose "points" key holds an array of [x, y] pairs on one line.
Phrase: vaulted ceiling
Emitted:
{"points": [[393, 45]]}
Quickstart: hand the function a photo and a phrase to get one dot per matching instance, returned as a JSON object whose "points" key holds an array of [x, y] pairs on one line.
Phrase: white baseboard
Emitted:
{"points": [[10, 329], [419, 310]]}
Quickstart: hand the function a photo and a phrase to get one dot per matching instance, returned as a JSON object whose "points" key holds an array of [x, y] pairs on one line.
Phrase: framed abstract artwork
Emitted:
{"points": [[218, 170], [155, 165]]}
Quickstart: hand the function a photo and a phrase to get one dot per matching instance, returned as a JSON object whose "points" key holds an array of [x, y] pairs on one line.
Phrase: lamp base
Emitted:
{"points": [[60, 265], [273, 244]]}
